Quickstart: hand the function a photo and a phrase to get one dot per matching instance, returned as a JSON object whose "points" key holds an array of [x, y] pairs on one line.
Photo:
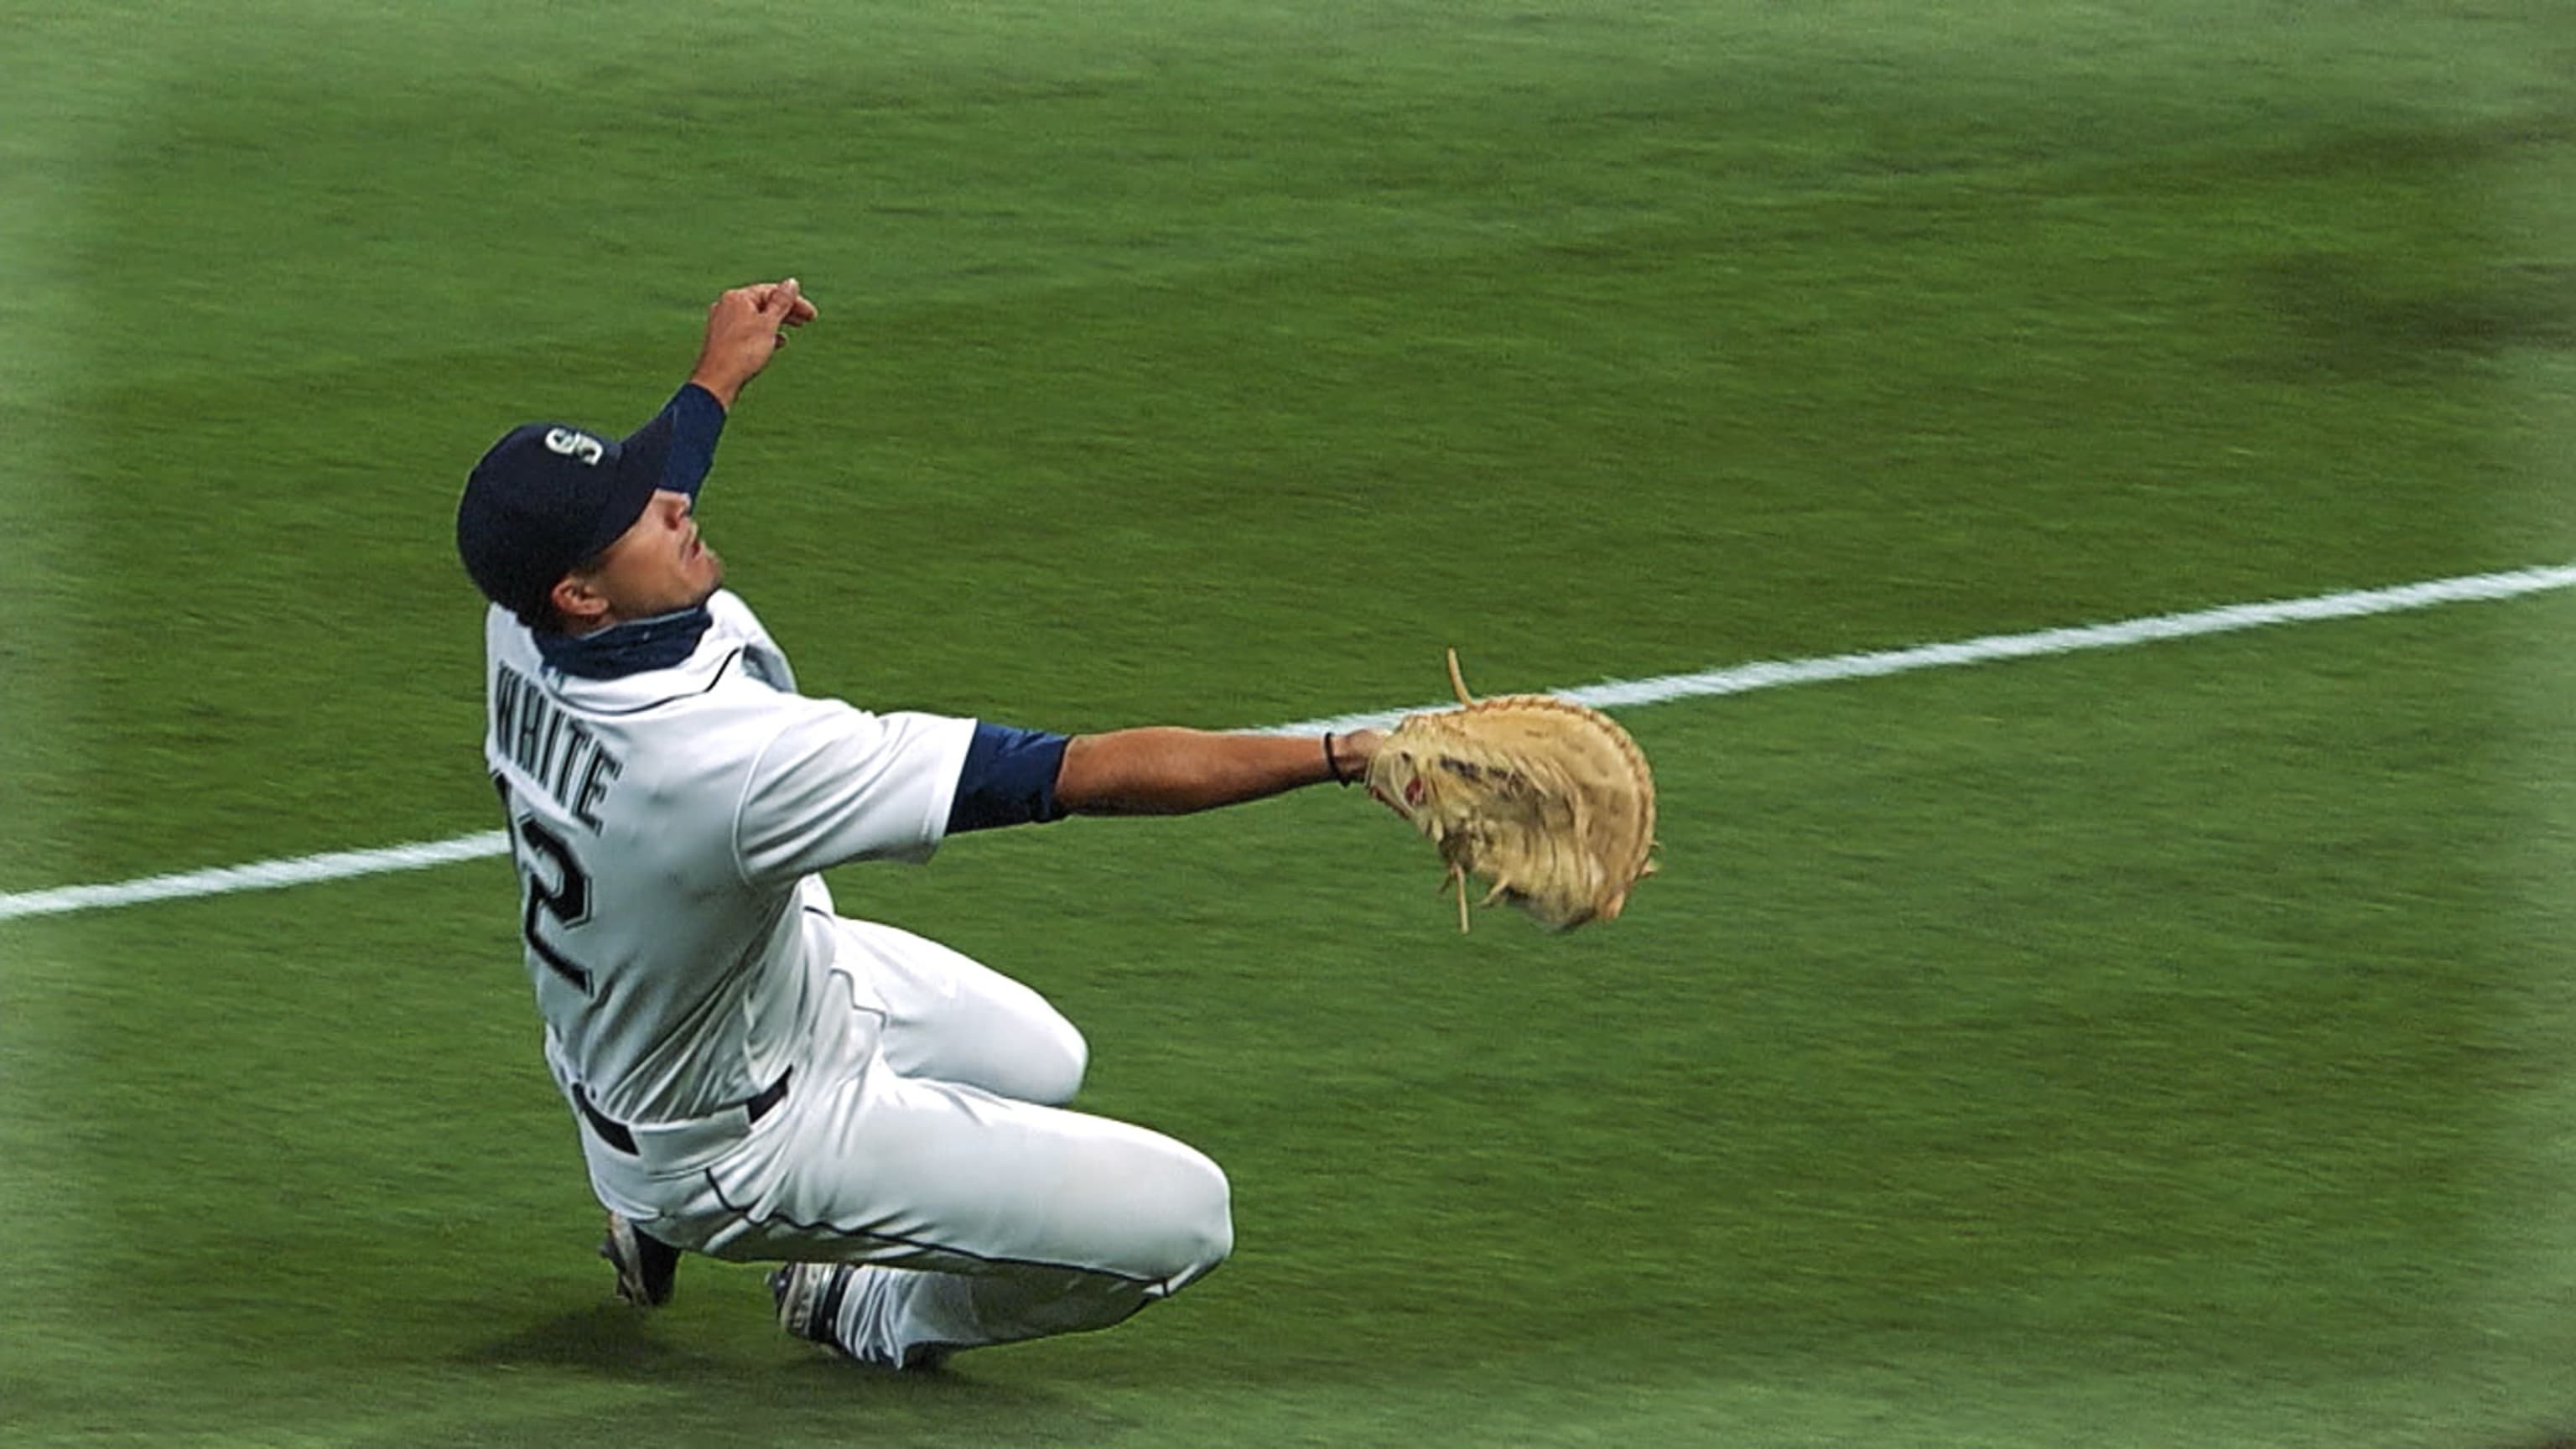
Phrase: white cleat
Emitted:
{"points": [[808, 1296]]}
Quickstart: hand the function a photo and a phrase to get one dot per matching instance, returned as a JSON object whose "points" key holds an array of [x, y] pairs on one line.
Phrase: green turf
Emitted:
{"points": [[2148, 1048]]}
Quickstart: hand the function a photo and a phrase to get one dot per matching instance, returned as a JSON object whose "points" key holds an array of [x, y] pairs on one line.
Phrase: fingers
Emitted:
{"points": [[778, 303], [783, 303], [783, 307], [745, 327]]}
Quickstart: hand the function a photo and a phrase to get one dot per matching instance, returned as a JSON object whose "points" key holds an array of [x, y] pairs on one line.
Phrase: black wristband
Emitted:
{"points": [[1334, 765]]}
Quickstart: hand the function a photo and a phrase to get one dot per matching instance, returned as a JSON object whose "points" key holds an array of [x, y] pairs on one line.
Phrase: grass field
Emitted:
{"points": [[2156, 1047]]}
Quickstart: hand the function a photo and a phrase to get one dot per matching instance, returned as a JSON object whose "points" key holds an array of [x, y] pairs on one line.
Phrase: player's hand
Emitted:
{"points": [[745, 328], [1352, 752]]}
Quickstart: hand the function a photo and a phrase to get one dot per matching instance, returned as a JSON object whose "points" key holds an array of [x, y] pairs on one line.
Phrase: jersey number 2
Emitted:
{"points": [[534, 844]]}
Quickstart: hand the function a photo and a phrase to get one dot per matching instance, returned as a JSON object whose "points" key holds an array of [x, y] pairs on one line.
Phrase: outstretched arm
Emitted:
{"points": [[1167, 771]]}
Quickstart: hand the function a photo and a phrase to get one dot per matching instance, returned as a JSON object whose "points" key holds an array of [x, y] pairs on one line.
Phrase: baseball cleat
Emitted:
{"points": [[808, 1296], [647, 1268]]}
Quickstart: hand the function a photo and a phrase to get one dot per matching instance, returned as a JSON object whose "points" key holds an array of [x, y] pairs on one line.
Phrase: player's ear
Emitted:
{"points": [[578, 602]]}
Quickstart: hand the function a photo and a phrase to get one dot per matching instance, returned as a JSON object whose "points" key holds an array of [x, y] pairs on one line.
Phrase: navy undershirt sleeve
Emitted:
{"points": [[1008, 779], [697, 421]]}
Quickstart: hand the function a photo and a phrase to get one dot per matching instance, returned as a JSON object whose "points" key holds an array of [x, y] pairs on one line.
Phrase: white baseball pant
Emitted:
{"points": [[924, 1138]]}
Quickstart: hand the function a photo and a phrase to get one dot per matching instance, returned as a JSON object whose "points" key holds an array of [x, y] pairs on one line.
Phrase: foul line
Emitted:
{"points": [[266, 875], [1735, 679]]}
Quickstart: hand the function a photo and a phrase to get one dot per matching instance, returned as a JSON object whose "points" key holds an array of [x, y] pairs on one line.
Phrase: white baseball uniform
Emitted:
{"points": [[758, 1078]]}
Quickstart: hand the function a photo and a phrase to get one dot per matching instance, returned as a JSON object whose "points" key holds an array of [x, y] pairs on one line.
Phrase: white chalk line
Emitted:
{"points": [[265, 875], [1613, 694]]}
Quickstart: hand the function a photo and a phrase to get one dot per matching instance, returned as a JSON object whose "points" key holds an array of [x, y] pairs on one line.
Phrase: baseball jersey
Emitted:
{"points": [[667, 825]]}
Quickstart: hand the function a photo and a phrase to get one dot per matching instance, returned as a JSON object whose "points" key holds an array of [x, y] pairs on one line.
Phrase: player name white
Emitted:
{"points": [[554, 750]]}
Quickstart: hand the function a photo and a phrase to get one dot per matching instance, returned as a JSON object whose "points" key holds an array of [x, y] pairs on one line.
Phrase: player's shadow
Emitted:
{"points": [[611, 1339], [731, 1397], [615, 1341]]}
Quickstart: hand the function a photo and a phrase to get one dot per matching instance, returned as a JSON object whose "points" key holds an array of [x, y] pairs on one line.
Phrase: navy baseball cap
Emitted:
{"points": [[548, 496]]}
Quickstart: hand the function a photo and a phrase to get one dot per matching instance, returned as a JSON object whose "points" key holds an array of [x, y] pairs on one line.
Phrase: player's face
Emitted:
{"points": [[658, 564]]}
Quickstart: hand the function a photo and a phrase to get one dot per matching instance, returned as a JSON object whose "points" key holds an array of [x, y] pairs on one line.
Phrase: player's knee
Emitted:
{"points": [[1055, 1069], [1199, 1224], [1041, 1060]]}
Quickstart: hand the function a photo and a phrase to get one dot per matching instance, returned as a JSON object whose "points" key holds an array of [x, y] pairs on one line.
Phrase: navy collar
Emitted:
{"points": [[629, 648]]}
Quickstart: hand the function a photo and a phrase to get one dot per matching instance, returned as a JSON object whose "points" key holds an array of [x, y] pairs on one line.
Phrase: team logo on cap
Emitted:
{"points": [[573, 443]]}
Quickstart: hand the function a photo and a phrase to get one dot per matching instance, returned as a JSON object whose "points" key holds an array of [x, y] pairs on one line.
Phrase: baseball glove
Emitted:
{"points": [[1548, 800]]}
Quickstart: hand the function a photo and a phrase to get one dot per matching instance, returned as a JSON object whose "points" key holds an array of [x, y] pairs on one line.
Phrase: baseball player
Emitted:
{"points": [[754, 1076]]}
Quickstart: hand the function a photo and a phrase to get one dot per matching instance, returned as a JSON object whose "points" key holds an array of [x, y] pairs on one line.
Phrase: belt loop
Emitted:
{"points": [[610, 1131], [758, 1107], [621, 1137]]}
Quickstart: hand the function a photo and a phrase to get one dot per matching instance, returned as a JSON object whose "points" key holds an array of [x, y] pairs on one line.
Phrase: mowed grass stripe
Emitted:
{"points": [[1733, 679]]}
